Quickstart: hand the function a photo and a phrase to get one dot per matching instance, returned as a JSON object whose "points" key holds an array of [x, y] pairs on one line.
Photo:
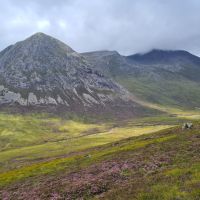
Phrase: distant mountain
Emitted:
{"points": [[164, 77], [43, 72], [182, 62], [110, 63]]}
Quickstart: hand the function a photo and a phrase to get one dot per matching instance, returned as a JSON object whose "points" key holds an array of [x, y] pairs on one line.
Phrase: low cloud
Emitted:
{"points": [[128, 26]]}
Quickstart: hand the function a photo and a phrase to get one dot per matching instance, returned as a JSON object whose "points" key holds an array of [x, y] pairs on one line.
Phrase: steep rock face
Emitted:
{"points": [[42, 71]]}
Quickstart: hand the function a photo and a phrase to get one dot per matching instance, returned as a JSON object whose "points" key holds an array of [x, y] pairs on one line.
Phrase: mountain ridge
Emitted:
{"points": [[163, 77], [43, 71]]}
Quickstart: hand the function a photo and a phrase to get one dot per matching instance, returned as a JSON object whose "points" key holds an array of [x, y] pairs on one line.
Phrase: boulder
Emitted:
{"points": [[187, 126]]}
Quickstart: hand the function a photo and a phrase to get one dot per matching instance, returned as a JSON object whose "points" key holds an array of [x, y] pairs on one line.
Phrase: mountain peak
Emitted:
{"points": [[43, 37], [156, 56], [41, 45], [163, 52], [40, 35], [43, 71]]}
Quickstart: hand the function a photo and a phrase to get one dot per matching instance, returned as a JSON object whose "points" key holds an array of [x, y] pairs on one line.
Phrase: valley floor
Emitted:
{"points": [[43, 157]]}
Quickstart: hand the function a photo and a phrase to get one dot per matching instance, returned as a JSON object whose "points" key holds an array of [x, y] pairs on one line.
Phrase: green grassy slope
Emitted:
{"points": [[175, 93], [171, 170], [96, 164], [33, 138]]}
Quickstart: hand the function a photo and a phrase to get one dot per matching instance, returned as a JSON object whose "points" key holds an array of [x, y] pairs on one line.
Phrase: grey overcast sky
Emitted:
{"points": [[128, 26]]}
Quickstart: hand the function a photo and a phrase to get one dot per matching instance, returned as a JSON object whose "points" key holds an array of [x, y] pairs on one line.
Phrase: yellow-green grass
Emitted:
{"points": [[72, 162], [177, 178], [78, 136], [162, 165], [32, 139], [177, 183], [177, 112], [20, 131], [35, 144]]}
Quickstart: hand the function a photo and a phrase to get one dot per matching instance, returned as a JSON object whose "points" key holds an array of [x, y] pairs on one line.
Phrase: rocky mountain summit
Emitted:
{"points": [[43, 71]]}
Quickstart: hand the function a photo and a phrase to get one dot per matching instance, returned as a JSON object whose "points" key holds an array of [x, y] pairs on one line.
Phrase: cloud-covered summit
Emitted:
{"points": [[128, 26]]}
